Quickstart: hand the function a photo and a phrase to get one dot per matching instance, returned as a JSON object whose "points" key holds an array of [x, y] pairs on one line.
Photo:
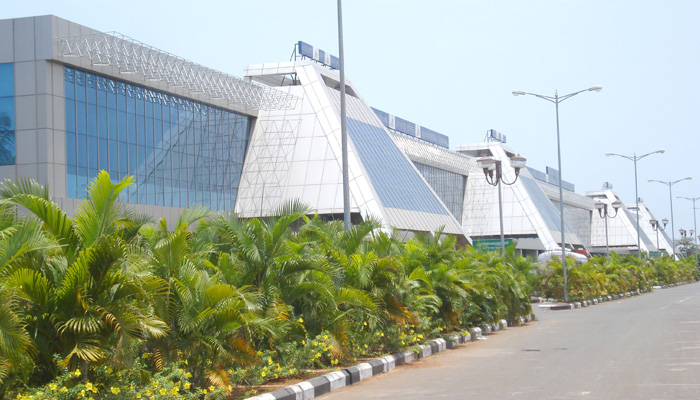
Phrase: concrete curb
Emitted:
{"points": [[604, 299], [331, 381]]}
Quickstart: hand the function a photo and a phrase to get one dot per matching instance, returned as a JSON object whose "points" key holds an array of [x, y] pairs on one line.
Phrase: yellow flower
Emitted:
{"points": [[188, 375], [114, 390], [155, 384], [186, 363], [204, 391], [211, 388], [229, 388], [186, 386], [230, 371], [262, 374], [269, 360], [300, 320], [109, 370], [138, 395], [364, 323], [63, 389], [163, 391], [303, 342], [174, 391], [325, 336]]}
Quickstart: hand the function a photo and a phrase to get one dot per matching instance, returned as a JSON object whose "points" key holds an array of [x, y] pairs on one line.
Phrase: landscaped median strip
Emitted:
{"points": [[331, 381], [586, 303]]}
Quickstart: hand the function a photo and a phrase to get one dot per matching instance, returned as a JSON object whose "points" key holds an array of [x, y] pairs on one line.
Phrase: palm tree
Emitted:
{"points": [[209, 320], [88, 298]]}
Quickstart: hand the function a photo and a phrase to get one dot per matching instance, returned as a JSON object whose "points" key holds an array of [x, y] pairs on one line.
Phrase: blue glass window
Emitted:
{"points": [[179, 152], [396, 182], [7, 114], [449, 186]]}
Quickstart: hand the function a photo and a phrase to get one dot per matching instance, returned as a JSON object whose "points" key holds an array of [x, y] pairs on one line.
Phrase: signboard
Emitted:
{"points": [[309, 51], [491, 244]]}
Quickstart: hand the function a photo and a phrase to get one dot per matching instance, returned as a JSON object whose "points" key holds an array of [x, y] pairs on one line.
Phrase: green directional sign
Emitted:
{"points": [[491, 244]]}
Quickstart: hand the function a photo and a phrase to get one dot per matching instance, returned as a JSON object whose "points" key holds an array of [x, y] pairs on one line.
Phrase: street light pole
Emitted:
{"points": [[636, 158], [602, 208], [556, 100], [695, 224], [491, 165], [656, 227], [343, 123], [670, 194]]}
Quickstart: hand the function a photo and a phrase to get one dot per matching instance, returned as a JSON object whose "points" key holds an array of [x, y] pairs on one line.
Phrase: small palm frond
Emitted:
{"points": [[100, 213], [55, 221], [191, 215]]}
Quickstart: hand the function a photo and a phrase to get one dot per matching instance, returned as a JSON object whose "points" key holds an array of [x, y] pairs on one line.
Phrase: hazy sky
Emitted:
{"points": [[451, 66]]}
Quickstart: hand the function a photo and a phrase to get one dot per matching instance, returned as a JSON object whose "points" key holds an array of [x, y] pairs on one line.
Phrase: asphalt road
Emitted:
{"points": [[645, 347]]}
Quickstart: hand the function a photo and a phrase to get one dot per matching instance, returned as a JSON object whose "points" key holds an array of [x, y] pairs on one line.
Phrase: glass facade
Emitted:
{"points": [[396, 182], [579, 220], [180, 152], [448, 185], [548, 210], [7, 114]]}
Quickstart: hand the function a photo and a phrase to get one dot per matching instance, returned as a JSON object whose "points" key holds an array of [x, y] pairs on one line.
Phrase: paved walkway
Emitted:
{"points": [[644, 347]]}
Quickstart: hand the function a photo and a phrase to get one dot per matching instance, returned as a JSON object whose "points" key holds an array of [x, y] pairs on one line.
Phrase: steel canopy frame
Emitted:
{"points": [[131, 56]]}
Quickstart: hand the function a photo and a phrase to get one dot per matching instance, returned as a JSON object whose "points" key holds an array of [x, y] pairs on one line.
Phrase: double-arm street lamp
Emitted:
{"points": [[695, 225], [602, 208], [656, 227], [683, 236], [556, 100], [493, 171], [635, 158], [670, 194]]}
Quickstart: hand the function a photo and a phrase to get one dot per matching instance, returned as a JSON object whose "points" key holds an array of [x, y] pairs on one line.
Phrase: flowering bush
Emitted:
{"points": [[134, 383]]}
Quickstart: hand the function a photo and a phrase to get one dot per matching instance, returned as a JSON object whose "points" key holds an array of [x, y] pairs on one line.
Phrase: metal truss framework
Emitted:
{"points": [[131, 56], [267, 173]]}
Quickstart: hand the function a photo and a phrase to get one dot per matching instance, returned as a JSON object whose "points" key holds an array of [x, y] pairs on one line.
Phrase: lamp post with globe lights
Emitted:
{"points": [[493, 171], [604, 213], [556, 99], [695, 226], [656, 227]]}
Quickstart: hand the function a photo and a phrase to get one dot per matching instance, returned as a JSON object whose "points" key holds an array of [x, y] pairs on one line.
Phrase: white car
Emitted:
{"points": [[547, 255]]}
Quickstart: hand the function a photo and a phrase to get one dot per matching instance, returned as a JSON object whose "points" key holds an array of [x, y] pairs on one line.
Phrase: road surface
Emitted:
{"points": [[645, 347]]}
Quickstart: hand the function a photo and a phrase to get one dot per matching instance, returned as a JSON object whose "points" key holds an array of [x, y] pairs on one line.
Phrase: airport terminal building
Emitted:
{"points": [[74, 101]]}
